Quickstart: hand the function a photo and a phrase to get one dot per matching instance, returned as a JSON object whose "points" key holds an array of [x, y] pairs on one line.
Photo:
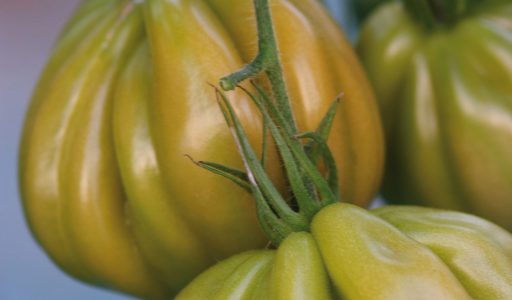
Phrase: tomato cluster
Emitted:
{"points": [[112, 193]]}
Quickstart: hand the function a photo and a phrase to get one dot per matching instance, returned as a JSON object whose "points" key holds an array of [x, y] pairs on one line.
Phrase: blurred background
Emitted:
{"points": [[28, 29]]}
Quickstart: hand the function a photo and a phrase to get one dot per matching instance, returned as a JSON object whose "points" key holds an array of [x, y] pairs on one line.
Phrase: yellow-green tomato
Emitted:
{"points": [[445, 95], [393, 252], [106, 186]]}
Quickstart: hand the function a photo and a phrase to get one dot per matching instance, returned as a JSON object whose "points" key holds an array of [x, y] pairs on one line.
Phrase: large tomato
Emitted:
{"points": [[106, 186], [443, 77], [393, 252]]}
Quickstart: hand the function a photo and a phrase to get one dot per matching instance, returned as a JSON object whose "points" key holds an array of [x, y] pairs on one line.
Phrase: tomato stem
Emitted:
{"points": [[267, 60], [311, 191], [435, 13]]}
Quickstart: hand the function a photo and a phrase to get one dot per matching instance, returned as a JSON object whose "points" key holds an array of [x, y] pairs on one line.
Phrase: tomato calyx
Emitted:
{"points": [[311, 190], [439, 13]]}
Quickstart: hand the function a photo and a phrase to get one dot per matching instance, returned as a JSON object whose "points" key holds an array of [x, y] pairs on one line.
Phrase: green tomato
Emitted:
{"points": [[444, 85], [393, 252], [107, 190]]}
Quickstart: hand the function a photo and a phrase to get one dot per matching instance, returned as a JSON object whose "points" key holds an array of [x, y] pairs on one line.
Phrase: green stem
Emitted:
{"points": [[364, 8], [434, 13], [311, 191], [267, 60]]}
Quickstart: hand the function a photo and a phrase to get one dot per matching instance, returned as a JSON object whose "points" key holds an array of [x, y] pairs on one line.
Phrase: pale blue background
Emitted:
{"points": [[27, 31]]}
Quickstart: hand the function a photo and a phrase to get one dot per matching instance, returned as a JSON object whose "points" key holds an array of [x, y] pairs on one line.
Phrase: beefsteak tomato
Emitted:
{"points": [[106, 187], [443, 76], [393, 252]]}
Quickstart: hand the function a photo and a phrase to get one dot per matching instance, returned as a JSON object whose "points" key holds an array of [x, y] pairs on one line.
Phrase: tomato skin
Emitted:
{"points": [[389, 253], [106, 187], [444, 96]]}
